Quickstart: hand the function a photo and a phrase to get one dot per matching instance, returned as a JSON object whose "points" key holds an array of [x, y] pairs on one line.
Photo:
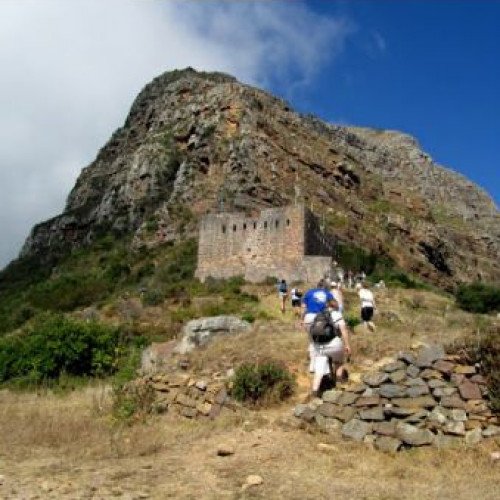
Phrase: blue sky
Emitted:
{"points": [[71, 70], [428, 68]]}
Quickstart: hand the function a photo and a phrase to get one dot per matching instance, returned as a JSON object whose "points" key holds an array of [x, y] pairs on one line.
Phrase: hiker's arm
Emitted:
{"points": [[345, 337]]}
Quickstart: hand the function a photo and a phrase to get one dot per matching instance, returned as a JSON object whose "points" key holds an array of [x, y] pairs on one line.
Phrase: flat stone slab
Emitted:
{"points": [[413, 371], [368, 401], [347, 398], [418, 390], [441, 392], [469, 390], [407, 357], [357, 388], [343, 413], [429, 373], [356, 429], [385, 428], [399, 412], [427, 355], [476, 406], [465, 369], [417, 417], [412, 382], [394, 366], [419, 402], [376, 413], [439, 415], [444, 441], [458, 415], [374, 379], [491, 430], [455, 428], [445, 367], [434, 383], [453, 401], [392, 390], [331, 396], [412, 435], [397, 376], [387, 444]]}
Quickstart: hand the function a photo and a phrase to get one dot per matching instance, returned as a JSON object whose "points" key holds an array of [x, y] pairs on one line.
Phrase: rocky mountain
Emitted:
{"points": [[197, 142]]}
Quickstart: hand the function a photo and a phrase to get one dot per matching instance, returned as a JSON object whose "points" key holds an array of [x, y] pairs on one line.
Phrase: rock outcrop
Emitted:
{"points": [[196, 142]]}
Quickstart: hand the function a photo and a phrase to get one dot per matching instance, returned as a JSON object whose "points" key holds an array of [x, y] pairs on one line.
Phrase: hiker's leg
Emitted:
{"points": [[320, 369], [311, 357]]}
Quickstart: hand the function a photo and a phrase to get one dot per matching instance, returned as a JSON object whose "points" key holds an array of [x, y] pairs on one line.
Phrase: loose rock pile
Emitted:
{"points": [[184, 395], [420, 398]]}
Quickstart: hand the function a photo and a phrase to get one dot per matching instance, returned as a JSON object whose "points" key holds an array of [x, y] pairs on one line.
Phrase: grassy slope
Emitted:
{"points": [[167, 457]]}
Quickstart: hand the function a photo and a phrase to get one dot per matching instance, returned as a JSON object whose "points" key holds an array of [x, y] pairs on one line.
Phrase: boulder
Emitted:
{"points": [[445, 367], [453, 401], [442, 392], [331, 396], [465, 370], [455, 428], [439, 415], [407, 357], [343, 413], [347, 398], [491, 430], [367, 401], [199, 332], [417, 417], [434, 383], [412, 382]]}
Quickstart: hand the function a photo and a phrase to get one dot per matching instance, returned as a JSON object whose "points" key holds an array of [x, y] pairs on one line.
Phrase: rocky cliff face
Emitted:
{"points": [[197, 142]]}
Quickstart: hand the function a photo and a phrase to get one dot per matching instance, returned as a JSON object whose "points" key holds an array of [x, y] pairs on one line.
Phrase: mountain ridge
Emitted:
{"points": [[196, 142]]}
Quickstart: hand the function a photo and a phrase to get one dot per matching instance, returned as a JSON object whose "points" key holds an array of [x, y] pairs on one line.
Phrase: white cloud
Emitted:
{"points": [[70, 70]]}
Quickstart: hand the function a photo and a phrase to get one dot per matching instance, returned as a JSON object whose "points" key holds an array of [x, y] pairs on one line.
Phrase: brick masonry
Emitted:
{"points": [[284, 242]]}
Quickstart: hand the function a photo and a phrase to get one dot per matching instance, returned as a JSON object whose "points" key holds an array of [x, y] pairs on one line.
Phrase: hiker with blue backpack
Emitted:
{"points": [[328, 335]]}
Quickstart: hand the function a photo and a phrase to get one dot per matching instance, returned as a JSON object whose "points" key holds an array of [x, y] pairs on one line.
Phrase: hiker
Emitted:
{"points": [[314, 301], [283, 293], [338, 295], [367, 305], [330, 347], [350, 278], [296, 296]]}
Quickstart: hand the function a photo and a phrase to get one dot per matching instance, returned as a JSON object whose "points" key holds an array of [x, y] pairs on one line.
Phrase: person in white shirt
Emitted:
{"points": [[337, 293], [367, 306]]}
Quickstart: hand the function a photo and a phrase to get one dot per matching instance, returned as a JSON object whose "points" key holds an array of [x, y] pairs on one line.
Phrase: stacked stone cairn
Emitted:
{"points": [[419, 398], [184, 395]]}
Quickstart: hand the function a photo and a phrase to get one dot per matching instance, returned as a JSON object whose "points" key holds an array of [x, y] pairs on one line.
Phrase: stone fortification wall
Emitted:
{"points": [[270, 244]]}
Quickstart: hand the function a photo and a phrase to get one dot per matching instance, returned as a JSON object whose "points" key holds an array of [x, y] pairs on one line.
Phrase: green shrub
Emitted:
{"points": [[398, 278], [153, 297], [478, 297], [54, 345], [352, 320], [69, 291], [248, 316], [261, 383], [132, 400]]}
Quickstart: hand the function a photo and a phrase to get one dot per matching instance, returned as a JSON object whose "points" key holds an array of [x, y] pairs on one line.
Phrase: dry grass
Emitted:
{"points": [[68, 447]]}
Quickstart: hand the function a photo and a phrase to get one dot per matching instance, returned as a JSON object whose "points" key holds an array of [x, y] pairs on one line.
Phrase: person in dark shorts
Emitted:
{"points": [[283, 294], [296, 296], [367, 305]]}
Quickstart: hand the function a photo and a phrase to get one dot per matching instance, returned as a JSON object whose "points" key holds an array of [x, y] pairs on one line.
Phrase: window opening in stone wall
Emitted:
{"points": [[234, 227], [277, 224], [255, 225], [244, 227], [288, 222], [223, 229], [265, 224]]}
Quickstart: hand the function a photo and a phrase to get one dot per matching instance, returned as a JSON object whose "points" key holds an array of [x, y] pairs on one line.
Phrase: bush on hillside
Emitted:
{"points": [[261, 383], [69, 291], [54, 345], [478, 298]]}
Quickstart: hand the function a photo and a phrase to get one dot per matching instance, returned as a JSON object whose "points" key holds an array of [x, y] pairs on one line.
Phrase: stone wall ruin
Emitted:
{"points": [[285, 243]]}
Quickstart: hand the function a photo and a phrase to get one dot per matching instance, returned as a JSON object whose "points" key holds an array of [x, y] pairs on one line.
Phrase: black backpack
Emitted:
{"points": [[323, 328]]}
